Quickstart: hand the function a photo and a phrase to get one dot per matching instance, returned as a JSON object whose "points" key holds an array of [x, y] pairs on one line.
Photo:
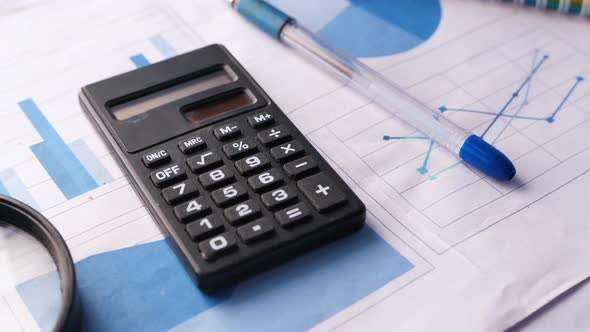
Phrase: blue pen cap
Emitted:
{"points": [[486, 158], [264, 15]]}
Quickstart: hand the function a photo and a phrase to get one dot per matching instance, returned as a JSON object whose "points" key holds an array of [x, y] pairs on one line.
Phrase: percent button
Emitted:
{"points": [[239, 148]]}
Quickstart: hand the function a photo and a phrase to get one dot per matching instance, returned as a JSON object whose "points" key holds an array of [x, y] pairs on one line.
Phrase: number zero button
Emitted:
{"points": [[202, 228], [256, 230], [217, 246]]}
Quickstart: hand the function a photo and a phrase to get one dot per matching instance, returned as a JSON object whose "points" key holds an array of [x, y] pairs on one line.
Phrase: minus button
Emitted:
{"points": [[301, 167]]}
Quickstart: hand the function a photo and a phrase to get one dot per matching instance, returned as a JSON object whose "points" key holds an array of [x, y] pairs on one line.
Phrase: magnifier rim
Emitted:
{"points": [[24, 217]]}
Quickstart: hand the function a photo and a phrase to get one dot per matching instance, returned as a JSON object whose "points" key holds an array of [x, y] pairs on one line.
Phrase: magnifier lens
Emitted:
{"points": [[30, 285]]}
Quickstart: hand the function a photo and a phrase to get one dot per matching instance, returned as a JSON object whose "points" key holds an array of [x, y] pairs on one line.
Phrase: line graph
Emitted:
{"points": [[523, 91]]}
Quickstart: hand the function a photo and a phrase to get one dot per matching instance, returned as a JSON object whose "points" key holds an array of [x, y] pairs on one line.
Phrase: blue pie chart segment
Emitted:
{"points": [[368, 28]]}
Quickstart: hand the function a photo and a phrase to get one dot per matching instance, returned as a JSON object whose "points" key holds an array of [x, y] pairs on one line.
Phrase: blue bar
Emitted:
{"points": [[59, 161], [99, 173], [11, 185], [163, 46], [139, 60]]}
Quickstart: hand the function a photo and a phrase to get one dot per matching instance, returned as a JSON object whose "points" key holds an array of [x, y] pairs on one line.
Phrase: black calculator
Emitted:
{"points": [[232, 183]]}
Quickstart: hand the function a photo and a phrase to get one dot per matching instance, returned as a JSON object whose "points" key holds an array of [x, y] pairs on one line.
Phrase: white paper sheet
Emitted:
{"points": [[485, 254]]}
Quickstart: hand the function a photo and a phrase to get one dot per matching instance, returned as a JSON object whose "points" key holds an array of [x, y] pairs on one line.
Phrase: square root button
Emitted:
{"points": [[322, 192]]}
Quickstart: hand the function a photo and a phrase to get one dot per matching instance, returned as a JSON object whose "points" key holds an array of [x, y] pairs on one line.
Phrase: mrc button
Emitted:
{"points": [[169, 175], [191, 144], [155, 158]]}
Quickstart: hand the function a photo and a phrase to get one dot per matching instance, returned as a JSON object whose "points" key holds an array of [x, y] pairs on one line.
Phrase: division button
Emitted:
{"points": [[256, 230], [242, 212], [204, 162], [226, 131], [202, 228], [261, 119], [217, 246], [278, 197], [274, 136], [191, 210], [293, 215], [287, 151], [192, 144], [239, 148], [216, 178], [169, 175], [229, 195], [301, 167], [321, 192], [180, 192], [266, 180], [252, 164], [155, 158]]}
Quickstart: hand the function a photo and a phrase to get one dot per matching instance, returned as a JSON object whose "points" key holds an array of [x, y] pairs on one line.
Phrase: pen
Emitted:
{"points": [[469, 147]]}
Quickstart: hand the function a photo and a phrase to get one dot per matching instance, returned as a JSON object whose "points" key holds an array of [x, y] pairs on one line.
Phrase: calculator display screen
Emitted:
{"points": [[190, 86], [219, 105]]}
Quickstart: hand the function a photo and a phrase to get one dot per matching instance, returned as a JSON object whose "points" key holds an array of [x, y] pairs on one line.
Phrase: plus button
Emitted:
{"points": [[322, 190]]}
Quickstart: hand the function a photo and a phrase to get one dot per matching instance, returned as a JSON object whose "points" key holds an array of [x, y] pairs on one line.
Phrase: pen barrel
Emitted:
{"points": [[376, 87]]}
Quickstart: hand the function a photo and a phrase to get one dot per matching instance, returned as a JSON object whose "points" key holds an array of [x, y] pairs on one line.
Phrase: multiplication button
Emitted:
{"points": [[287, 151], [168, 175], [155, 158], [321, 192]]}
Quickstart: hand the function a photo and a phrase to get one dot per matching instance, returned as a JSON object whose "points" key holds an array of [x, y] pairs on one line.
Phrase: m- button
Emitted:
{"points": [[169, 175], [321, 192]]}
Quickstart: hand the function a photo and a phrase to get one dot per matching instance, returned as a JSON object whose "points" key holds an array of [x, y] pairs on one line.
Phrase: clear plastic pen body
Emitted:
{"points": [[376, 87]]}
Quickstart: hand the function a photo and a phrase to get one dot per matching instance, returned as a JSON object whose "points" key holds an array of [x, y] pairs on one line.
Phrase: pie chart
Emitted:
{"points": [[368, 28]]}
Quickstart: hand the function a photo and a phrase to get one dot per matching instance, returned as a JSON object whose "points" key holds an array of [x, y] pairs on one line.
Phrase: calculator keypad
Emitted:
{"points": [[244, 186]]}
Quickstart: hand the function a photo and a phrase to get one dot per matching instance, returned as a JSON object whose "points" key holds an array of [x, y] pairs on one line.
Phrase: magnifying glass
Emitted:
{"points": [[36, 270]]}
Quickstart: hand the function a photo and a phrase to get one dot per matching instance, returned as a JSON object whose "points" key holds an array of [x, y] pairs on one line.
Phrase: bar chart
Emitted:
{"points": [[72, 166]]}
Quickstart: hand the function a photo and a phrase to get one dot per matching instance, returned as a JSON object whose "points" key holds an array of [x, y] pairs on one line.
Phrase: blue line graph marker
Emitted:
{"points": [[525, 84], [139, 60]]}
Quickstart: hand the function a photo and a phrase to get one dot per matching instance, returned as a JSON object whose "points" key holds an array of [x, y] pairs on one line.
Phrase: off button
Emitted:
{"points": [[167, 176]]}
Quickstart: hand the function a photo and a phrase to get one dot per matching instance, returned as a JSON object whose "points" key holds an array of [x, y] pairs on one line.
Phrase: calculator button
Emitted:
{"points": [[204, 162], [274, 136], [191, 210], [155, 158], [278, 197], [261, 119], [287, 151], [266, 180], [216, 178], [242, 212], [300, 167], [293, 215], [217, 246], [239, 148], [322, 192], [229, 195], [192, 144], [202, 228], [168, 175], [256, 230], [250, 165], [180, 192], [226, 131]]}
